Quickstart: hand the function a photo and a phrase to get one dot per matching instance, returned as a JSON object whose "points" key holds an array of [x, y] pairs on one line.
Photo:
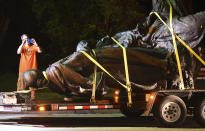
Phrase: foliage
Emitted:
{"points": [[66, 22]]}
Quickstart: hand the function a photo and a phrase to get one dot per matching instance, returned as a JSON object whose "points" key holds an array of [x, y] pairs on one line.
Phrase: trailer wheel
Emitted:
{"points": [[130, 111], [171, 111], [200, 113]]}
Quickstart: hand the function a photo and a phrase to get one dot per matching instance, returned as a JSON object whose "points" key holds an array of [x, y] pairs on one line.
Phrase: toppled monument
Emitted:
{"points": [[150, 56]]}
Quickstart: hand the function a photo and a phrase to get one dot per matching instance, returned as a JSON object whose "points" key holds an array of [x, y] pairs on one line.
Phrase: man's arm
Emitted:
{"points": [[38, 48], [20, 47]]}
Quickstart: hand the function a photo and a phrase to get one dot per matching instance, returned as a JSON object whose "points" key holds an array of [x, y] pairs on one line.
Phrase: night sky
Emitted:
{"points": [[21, 20]]}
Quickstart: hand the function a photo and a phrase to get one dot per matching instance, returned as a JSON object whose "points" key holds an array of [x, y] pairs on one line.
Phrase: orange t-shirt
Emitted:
{"points": [[28, 58]]}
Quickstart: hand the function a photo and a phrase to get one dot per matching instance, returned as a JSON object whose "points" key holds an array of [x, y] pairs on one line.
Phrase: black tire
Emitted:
{"points": [[130, 111], [200, 113], [170, 111]]}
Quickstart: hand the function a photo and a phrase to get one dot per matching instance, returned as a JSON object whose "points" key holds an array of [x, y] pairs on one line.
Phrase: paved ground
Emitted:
{"points": [[86, 121]]}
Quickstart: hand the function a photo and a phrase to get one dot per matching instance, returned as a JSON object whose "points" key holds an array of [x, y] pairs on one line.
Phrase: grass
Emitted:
{"points": [[46, 93], [8, 83]]}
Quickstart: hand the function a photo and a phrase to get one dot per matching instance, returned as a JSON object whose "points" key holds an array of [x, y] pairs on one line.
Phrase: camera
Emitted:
{"points": [[30, 41]]}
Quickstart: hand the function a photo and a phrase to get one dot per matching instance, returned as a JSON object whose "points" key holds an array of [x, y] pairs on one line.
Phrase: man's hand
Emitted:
{"points": [[34, 42]]}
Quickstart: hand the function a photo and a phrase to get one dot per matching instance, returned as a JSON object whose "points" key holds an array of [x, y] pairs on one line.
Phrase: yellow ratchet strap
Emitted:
{"points": [[125, 61], [176, 50], [102, 68], [180, 40], [175, 45], [45, 75], [128, 85], [94, 81], [174, 42], [126, 70], [190, 50]]}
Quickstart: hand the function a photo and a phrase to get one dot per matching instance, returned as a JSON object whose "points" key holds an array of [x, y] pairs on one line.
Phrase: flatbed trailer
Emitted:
{"points": [[169, 107], [56, 106], [15, 102]]}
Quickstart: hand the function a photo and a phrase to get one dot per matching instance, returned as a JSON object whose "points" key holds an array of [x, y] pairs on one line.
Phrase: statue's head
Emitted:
{"points": [[34, 78]]}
